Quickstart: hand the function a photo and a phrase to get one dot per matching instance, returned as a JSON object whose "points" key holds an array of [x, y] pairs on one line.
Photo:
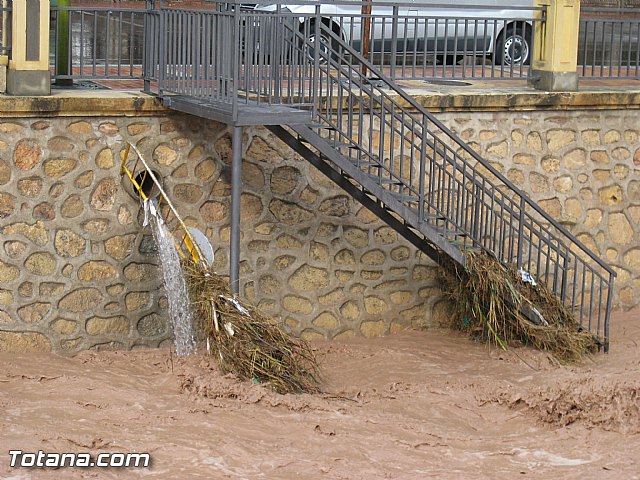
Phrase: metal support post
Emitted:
{"points": [[236, 191], [62, 48]]}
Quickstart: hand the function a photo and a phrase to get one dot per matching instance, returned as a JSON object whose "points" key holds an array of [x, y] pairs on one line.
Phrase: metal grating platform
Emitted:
{"points": [[248, 113]]}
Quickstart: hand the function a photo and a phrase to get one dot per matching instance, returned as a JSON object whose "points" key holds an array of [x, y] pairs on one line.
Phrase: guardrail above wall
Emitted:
{"points": [[609, 43], [98, 42], [413, 40], [106, 40]]}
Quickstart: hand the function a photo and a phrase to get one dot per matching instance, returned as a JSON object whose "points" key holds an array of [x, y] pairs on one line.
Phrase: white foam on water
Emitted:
{"points": [[538, 457], [175, 287]]}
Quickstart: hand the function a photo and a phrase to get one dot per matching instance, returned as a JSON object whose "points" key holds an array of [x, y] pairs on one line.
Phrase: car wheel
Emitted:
{"points": [[324, 42], [514, 47]]}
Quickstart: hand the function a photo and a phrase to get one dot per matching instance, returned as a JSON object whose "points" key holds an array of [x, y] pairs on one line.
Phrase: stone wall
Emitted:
{"points": [[77, 270], [580, 166]]}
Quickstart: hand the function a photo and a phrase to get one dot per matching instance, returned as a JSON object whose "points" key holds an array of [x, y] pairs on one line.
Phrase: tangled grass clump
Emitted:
{"points": [[245, 342], [492, 302]]}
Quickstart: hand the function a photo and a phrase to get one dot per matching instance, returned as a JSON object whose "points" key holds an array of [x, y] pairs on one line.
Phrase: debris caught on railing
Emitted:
{"points": [[526, 277], [229, 328], [496, 304], [237, 304], [247, 343]]}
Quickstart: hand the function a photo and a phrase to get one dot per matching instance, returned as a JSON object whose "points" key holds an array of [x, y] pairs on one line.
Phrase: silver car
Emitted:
{"points": [[448, 29]]}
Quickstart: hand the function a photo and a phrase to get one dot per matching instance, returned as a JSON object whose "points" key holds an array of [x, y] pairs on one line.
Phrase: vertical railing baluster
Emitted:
{"points": [[476, 210], [422, 173], [81, 62], [599, 307], [149, 37], [565, 268], [394, 42], [556, 266], [520, 232], [95, 44], [594, 64], [235, 65], [316, 55], [119, 45], [163, 50], [530, 245], [608, 312], [108, 36], [434, 60], [591, 295]]}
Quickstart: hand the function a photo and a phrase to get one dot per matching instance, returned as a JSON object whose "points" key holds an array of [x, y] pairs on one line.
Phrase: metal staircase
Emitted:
{"points": [[371, 138]]}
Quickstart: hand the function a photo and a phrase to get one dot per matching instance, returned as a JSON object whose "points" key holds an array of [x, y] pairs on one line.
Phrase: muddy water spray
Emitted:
{"points": [[175, 285]]}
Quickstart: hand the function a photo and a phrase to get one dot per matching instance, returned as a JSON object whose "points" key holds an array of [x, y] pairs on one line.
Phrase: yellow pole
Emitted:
{"points": [[555, 46]]}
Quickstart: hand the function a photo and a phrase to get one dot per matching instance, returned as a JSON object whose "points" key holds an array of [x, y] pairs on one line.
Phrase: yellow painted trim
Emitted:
{"points": [[181, 234], [556, 41], [18, 41], [4, 60], [5, 24], [18, 45]]}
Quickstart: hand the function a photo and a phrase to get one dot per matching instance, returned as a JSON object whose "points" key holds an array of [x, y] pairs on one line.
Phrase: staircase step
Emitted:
{"points": [[343, 145], [404, 197], [384, 180], [321, 126], [459, 242], [389, 181], [365, 164], [433, 216], [448, 232]]}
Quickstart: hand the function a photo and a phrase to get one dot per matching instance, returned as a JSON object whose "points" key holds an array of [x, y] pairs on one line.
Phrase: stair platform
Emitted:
{"points": [[249, 112]]}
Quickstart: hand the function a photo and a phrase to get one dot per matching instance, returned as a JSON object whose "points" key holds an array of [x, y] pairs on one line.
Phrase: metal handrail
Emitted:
{"points": [[178, 30], [565, 246], [609, 12], [398, 91], [609, 45]]}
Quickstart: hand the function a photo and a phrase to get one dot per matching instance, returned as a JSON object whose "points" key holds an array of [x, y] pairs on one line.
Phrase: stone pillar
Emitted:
{"points": [[555, 48], [28, 72]]}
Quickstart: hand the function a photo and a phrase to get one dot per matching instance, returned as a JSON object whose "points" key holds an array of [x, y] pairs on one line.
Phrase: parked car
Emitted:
{"points": [[443, 27]]}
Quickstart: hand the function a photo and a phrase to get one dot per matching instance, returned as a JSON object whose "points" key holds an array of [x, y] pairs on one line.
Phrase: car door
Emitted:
{"points": [[445, 29], [351, 20]]}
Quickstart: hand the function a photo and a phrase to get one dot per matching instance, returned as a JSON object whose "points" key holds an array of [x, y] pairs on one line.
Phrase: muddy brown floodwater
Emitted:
{"points": [[410, 406]]}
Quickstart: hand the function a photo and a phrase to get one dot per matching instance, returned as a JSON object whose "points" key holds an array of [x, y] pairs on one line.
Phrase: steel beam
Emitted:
{"points": [[236, 192]]}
